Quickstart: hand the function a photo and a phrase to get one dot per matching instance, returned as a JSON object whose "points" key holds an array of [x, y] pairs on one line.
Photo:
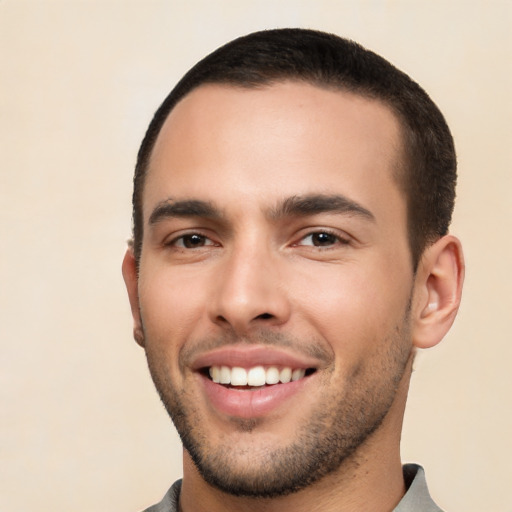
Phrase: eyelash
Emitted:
{"points": [[337, 239], [180, 242]]}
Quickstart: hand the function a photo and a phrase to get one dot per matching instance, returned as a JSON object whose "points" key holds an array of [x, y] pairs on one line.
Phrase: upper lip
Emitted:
{"points": [[249, 356]]}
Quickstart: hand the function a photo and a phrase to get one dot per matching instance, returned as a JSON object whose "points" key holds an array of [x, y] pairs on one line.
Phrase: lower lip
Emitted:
{"points": [[251, 403]]}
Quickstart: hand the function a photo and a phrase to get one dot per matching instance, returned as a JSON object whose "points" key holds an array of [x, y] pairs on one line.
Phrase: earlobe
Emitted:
{"points": [[130, 277], [438, 289]]}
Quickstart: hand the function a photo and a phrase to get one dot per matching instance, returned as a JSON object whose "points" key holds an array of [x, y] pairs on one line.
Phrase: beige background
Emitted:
{"points": [[81, 428]]}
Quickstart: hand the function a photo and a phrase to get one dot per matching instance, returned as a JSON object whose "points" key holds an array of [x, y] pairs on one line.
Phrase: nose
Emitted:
{"points": [[250, 291]]}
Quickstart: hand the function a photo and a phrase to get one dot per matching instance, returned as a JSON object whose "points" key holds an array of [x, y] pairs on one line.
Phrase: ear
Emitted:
{"points": [[438, 288], [131, 280]]}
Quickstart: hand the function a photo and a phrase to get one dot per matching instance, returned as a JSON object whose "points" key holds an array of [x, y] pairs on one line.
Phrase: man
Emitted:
{"points": [[292, 198]]}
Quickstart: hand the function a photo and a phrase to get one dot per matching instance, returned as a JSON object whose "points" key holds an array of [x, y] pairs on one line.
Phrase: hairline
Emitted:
{"points": [[403, 156]]}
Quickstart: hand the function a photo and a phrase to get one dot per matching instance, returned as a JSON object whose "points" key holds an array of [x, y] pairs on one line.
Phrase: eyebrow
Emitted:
{"points": [[187, 208], [295, 206], [302, 206]]}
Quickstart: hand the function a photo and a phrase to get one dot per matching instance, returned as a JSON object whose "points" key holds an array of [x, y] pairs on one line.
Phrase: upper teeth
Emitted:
{"points": [[256, 376]]}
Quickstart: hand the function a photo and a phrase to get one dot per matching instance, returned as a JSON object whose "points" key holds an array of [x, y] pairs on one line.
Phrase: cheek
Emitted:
{"points": [[171, 305], [352, 307]]}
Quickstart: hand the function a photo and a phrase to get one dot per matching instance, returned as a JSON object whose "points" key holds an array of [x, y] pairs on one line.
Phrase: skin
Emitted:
{"points": [[335, 285]]}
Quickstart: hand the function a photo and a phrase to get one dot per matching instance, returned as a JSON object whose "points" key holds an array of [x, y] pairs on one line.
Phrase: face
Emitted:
{"points": [[275, 280]]}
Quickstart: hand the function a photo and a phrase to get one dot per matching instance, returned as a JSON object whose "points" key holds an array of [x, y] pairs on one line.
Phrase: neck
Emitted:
{"points": [[371, 479]]}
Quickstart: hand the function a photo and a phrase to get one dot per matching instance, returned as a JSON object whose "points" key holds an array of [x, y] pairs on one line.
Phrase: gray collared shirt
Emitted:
{"points": [[416, 499]]}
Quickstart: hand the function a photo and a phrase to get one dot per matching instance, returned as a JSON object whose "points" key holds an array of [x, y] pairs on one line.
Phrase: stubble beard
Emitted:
{"points": [[323, 442]]}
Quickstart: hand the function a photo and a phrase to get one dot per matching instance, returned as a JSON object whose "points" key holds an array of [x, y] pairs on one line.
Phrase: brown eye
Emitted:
{"points": [[192, 241], [323, 239]]}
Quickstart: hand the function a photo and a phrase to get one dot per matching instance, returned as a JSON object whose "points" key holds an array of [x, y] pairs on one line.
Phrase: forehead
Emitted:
{"points": [[287, 138]]}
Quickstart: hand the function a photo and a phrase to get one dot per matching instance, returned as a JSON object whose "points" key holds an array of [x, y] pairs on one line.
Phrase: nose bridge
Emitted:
{"points": [[249, 290]]}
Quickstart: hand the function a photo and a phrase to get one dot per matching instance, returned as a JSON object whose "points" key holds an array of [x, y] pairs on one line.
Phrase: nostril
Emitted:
{"points": [[265, 316]]}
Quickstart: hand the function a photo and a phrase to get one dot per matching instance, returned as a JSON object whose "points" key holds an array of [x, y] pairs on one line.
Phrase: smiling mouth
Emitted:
{"points": [[256, 377]]}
